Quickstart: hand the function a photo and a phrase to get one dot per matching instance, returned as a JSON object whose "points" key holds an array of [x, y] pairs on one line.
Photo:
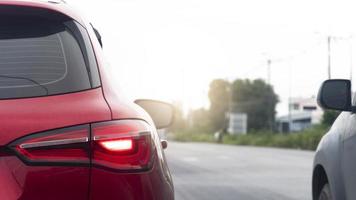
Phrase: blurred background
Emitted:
{"points": [[238, 72]]}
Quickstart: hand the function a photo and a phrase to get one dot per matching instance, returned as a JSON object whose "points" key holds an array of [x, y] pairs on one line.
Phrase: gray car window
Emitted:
{"points": [[39, 58]]}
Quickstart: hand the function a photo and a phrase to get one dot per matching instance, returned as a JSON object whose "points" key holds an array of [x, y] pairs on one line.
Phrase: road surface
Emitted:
{"points": [[222, 172]]}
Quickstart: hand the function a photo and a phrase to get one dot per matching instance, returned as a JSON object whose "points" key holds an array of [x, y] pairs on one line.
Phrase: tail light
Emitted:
{"points": [[61, 146], [123, 145]]}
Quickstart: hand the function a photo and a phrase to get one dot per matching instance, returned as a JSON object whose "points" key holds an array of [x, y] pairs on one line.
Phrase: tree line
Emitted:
{"points": [[256, 98]]}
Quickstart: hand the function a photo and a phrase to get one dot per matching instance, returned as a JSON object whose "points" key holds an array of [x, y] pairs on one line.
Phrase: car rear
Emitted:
{"points": [[58, 136]]}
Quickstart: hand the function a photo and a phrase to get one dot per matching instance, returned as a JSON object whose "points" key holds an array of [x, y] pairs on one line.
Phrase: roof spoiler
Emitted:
{"points": [[27, 11]]}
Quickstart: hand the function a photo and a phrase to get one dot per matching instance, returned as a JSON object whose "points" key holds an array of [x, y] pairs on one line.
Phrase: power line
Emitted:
{"points": [[281, 59], [329, 42]]}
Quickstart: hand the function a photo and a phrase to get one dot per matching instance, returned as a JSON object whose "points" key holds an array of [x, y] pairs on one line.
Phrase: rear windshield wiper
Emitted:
{"points": [[28, 79]]}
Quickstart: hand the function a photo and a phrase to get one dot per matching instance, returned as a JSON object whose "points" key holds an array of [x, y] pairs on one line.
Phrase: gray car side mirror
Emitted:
{"points": [[335, 94]]}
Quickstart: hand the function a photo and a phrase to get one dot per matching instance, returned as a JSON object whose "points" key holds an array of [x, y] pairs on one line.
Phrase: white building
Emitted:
{"points": [[304, 112]]}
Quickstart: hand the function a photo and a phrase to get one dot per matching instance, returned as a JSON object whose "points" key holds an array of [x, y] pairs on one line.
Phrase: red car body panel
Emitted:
{"points": [[27, 116], [19, 181], [144, 186], [30, 115], [21, 117]]}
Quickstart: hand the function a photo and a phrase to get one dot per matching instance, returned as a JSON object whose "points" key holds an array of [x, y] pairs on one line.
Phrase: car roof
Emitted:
{"points": [[59, 6]]}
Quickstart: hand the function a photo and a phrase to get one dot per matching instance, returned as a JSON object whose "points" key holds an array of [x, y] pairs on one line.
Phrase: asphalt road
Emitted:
{"points": [[223, 172]]}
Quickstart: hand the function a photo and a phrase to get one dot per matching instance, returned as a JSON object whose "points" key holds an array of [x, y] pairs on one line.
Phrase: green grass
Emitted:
{"points": [[192, 136], [307, 139]]}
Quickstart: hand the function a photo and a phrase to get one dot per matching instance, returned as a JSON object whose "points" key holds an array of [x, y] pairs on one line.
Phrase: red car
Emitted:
{"points": [[64, 134]]}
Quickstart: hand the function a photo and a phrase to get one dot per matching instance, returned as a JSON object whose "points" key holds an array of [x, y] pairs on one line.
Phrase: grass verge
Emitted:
{"points": [[308, 139]]}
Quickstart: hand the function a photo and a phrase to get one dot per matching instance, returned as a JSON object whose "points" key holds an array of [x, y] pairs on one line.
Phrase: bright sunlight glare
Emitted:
{"points": [[172, 50]]}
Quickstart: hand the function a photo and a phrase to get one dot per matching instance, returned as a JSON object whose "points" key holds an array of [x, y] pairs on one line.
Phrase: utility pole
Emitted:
{"points": [[329, 57], [269, 62], [290, 120]]}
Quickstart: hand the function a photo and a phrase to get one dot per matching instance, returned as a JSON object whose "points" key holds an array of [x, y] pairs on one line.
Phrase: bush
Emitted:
{"points": [[329, 117], [308, 139], [192, 136]]}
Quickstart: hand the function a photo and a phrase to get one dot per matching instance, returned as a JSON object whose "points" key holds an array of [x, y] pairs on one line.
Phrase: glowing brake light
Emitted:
{"points": [[122, 145], [118, 145]]}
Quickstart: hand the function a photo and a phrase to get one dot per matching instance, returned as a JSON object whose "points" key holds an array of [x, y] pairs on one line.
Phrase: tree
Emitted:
{"points": [[199, 120], [329, 117], [179, 122], [219, 96], [258, 100]]}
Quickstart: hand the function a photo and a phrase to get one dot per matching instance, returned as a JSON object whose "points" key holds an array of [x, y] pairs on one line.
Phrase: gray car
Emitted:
{"points": [[334, 175]]}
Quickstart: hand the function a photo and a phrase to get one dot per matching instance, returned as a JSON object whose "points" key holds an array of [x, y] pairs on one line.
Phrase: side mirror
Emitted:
{"points": [[335, 94], [160, 112]]}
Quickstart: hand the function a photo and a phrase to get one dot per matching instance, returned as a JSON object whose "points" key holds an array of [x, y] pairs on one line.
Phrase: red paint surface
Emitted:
{"points": [[19, 117]]}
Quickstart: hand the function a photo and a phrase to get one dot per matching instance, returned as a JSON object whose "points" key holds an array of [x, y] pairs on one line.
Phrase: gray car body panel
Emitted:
{"points": [[329, 156]]}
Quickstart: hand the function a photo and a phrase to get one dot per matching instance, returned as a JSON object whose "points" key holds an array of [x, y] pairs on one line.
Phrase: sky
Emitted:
{"points": [[172, 49]]}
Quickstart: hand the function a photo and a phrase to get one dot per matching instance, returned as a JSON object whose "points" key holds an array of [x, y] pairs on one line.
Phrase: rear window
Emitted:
{"points": [[39, 57]]}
